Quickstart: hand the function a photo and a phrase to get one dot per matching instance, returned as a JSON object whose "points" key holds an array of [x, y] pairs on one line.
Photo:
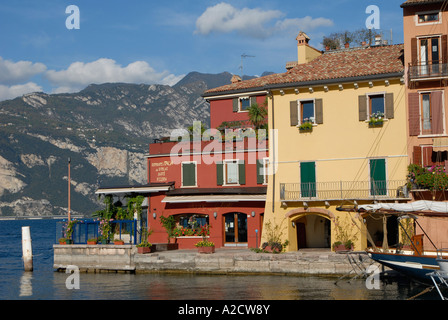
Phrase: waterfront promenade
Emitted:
{"points": [[124, 258]]}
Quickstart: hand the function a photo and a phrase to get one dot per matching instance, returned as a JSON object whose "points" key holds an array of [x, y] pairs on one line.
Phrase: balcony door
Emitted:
{"points": [[235, 229], [429, 55], [378, 182], [308, 179]]}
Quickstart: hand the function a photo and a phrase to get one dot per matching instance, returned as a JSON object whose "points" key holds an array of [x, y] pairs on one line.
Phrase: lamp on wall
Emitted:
{"points": [[253, 214], [154, 215], [215, 214]]}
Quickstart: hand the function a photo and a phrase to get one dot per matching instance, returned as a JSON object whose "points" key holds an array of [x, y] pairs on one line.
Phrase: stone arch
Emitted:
{"points": [[300, 212]]}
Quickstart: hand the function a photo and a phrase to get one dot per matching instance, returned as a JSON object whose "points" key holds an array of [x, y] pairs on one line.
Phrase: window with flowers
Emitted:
{"points": [[189, 225]]}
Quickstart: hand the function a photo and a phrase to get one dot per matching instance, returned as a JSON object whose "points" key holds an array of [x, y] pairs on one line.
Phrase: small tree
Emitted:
{"points": [[258, 114]]}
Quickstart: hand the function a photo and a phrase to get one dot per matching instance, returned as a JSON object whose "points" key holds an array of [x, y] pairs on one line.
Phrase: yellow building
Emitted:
{"points": [[337, 137]]}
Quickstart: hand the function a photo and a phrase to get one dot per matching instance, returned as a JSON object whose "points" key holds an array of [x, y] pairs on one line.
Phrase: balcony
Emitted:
{"points": [[428, 71], [344, 190]]}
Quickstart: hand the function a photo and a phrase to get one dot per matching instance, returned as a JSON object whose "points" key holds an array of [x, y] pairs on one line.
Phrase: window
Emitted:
{"points": [[376, 105], [231, 172], [428, 17], [189, 174], [302, 111], [426, 113], [431, 113], [242, 104], [429, 55]]}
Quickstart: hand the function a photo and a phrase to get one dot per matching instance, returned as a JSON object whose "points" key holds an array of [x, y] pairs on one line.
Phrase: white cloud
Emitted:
{"points": [[225, 18], [11, 92], [12, 73], [79, 75]]}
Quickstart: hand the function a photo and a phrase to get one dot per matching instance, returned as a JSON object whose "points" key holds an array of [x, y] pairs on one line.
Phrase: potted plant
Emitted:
{"points": [[92, 241], [105, 230], [345, 236], [205, 246], [376, 119], [118, 242], [170, 225], [62, 240], [306, 126], [272, 247], [145, 247]]}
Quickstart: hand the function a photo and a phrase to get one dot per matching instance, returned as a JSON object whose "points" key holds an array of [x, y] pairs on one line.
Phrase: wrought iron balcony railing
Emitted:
{"points": [[434, 69], [344, 190]]}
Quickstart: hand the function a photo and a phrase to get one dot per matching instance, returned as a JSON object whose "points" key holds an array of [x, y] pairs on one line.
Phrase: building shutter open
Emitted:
{"points": [[219, 173], [236, 102], [294, 113], [241, 172], [188, 174], [318, 106], [437, 112], [414, 113], [260, 173], [389, 99], [362, 108]]}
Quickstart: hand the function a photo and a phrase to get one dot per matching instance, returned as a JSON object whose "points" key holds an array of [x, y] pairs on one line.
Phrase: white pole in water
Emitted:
{"points": [[26, 249]]}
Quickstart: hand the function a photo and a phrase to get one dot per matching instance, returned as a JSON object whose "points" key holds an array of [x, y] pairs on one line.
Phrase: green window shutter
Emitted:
{"points": [[236, 102], [253, 100], [241, 172], [294, 113], [188, 174], [219, 173], [260, 175], [389, 99], [362, 104], [318, 107]]}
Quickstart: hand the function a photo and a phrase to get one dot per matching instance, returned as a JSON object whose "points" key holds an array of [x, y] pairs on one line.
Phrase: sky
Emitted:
{"points": [[58, 46]]}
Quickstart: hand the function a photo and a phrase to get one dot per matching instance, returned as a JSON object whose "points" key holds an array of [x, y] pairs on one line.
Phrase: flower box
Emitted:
{"points": [[119, 242], [341, 247], [91, 242]]}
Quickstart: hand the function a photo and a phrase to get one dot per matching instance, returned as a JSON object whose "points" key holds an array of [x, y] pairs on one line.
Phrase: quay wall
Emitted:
{"points": [[124, 258]]}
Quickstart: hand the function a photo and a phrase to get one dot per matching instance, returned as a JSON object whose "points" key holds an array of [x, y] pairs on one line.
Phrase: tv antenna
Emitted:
{"points": [[243, 56]]}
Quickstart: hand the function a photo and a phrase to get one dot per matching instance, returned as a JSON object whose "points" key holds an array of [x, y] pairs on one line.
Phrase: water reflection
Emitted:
{"points": [[204, 287], [26, 287]]}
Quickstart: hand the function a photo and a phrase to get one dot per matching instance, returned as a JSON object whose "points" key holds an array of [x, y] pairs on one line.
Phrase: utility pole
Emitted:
{"points": [[69, 160], [243, 56]]}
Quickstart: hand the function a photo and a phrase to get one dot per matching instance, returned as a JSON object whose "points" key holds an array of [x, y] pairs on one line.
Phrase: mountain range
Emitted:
{"points": [[104, 130]]}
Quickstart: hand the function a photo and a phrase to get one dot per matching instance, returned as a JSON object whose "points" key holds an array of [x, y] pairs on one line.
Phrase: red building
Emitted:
{"points": [[218, 178]]}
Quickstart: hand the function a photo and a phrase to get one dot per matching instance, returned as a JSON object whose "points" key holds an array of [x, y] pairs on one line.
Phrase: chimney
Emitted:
{"points": [[235, 79], [305, 53]]}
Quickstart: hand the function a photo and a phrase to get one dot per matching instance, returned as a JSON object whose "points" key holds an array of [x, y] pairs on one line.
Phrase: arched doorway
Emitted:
{"points": [[313, 231], [235, 229], [312, 227]]}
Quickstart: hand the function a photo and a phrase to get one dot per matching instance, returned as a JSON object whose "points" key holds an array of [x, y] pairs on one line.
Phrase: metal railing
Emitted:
{"points": [[85, 229], [341, 190], [434, 69]]}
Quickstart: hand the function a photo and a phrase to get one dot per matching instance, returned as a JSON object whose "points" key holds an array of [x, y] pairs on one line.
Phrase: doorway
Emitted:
{"points": [[235, 229]]}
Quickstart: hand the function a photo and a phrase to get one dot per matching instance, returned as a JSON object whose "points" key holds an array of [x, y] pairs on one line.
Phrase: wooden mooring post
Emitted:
{"points": [[27, 251]]}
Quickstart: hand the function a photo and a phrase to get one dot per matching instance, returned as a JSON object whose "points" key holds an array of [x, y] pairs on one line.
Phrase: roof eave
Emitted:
{"points": [[287, 85]]}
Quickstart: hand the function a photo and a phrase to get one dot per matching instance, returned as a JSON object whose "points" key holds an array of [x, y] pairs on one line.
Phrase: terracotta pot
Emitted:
{"points": [[206, 250], [342, 247], [119, 242], [144, 250], [91, 242]]}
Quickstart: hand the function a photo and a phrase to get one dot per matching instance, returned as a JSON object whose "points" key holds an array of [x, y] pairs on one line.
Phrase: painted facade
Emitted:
{"points": [[327, 148]]}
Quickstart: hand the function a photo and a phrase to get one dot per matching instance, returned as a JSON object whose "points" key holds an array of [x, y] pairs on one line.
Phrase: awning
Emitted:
{"points": [[416, 206], [215, 198], [134, 189], [440, 144]]}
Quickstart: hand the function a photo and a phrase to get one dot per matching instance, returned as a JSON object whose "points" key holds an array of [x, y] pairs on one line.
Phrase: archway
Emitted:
{"points": [[312, 227]]}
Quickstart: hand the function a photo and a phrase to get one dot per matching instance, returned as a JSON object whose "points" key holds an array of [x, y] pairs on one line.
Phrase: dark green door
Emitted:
{"points": [[378, 183], [308, 179]]}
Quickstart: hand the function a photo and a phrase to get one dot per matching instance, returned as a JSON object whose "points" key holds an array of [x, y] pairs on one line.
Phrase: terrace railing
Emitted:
{"points": [[343, 190]]}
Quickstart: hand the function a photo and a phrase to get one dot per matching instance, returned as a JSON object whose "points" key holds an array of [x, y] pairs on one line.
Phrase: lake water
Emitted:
{"points": [[46, 284]]}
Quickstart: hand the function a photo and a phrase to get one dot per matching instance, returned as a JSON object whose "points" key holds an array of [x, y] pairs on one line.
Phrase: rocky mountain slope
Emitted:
{"points": [[105, 131]]}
